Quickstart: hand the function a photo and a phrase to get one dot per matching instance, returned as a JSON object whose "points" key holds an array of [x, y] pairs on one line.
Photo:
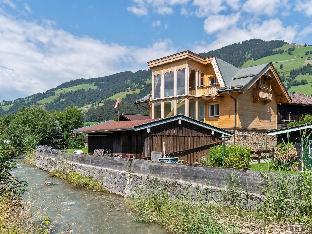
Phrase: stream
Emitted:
{"points": [[76, 210]]}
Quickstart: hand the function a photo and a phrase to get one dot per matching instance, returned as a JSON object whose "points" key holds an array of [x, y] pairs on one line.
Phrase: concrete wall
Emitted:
{"points": [[124, 177]]}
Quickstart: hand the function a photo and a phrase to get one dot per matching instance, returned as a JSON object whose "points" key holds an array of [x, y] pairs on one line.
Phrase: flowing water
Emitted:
{"points": [[79, 211]]}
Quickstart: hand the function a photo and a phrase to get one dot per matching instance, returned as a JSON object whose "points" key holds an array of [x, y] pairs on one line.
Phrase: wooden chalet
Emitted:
{"points": [[215, 92], [176, 136]]}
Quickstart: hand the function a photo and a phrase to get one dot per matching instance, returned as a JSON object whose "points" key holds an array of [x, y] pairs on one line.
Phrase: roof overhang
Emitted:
{"points": [[288, 130], [176, 57], [156, 123], [271, 67]]}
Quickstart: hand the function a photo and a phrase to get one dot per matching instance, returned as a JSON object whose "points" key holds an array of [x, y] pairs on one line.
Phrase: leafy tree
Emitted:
{"points": [[69, 120], [31, 127]]}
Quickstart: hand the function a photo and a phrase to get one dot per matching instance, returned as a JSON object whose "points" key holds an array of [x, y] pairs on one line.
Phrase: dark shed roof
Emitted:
{"points": [[137, 125]]}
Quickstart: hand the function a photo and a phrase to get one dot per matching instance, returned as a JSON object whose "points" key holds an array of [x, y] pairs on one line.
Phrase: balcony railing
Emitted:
{"points": [[210, 91]]}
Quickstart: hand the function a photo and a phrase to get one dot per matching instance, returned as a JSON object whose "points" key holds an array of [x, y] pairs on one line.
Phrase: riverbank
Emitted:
{"points": [[81, 211], [188, 199]]}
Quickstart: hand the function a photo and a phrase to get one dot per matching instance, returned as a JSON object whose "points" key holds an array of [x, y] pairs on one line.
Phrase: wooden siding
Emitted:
{"points": [[256, 115], [186, 141], [226, 112]]}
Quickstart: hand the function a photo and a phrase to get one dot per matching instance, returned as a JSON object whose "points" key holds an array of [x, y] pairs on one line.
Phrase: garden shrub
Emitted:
{"points": [[235, 156], [286, 157], [288, 197]]}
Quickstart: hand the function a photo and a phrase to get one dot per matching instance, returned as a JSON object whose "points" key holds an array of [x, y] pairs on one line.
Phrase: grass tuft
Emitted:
{"points": [[79, 180]]}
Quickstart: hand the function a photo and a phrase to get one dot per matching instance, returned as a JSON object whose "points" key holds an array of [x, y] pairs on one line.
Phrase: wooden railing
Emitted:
{"points": [[205, 91]]}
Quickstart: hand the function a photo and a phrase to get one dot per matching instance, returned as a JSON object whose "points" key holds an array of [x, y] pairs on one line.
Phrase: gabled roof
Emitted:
{"points": [[245, 75], [186, 119], [127, 117], [113, 126], [238, 77], [175, 57], [227, 70], [138, 125]]}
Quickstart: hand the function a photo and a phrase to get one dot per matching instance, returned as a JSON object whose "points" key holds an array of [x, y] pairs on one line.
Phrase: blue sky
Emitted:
{"points": [[46, 43]]}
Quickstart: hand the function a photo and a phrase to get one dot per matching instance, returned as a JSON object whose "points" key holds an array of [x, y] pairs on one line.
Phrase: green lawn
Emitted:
{"points": [[264, 166], [122, 95], [290, 61], [306, 89], [58, 92]]}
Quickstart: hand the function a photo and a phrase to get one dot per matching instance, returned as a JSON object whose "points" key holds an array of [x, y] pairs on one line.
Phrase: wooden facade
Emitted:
{"points": [[185, 83], [177, 137]]}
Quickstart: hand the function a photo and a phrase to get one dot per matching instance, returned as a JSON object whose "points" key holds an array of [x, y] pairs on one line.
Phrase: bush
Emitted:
{"points": [[306, 119], [285, 157], [288, 197], [235, 156], [181, 216]]}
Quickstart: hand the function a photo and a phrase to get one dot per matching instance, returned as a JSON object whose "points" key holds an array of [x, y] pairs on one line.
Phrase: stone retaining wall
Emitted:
{"points": [[124, 177]]}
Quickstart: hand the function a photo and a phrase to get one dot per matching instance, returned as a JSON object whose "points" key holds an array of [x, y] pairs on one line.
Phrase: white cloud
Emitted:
{"points": [[267, 30], [9, 3], [138, 10], [216, 23], [206, 7], [263, 7], [27, 8], [156, 23], [162, 7], [234, 4], [305, 6], [36, 57]]}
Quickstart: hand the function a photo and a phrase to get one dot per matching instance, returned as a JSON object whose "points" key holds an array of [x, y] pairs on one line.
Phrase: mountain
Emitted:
{"points": [[96, 96]]}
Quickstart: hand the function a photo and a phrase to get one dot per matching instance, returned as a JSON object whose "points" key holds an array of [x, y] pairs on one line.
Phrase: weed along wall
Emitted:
{"points": [[124, 177]]}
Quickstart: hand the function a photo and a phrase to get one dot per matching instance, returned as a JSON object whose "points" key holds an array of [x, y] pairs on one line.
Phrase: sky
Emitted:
{"points": [[46, 43]]}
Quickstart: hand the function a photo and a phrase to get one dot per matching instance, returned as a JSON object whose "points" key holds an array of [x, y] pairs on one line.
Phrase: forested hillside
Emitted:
{"points": [[96, 96]]}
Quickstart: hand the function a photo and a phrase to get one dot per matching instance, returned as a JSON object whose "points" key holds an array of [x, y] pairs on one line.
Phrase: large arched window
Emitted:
{"points": [[181, 81], [169, 84], [157, 85]]}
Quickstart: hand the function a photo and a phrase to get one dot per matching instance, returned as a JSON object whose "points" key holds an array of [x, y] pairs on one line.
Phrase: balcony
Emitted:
{"points": [[207, 91]]}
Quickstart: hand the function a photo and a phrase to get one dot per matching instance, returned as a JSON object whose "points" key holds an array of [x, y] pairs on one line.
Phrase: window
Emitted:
{"points": [[192, 80], [169, 109], [157, 110], [180, 107], [213, 81], [202, 79], [201, 111], [214, 110], [192, 104], [157, 82], [181, 82], [169, 84]]}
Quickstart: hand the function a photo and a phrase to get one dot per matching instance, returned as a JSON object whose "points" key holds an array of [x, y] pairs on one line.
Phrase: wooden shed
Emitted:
{"points": [[177, 136]]}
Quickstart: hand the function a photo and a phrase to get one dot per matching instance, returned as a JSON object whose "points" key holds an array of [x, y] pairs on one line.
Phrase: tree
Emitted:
{"points": [[31, 127], [69, 120]]}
